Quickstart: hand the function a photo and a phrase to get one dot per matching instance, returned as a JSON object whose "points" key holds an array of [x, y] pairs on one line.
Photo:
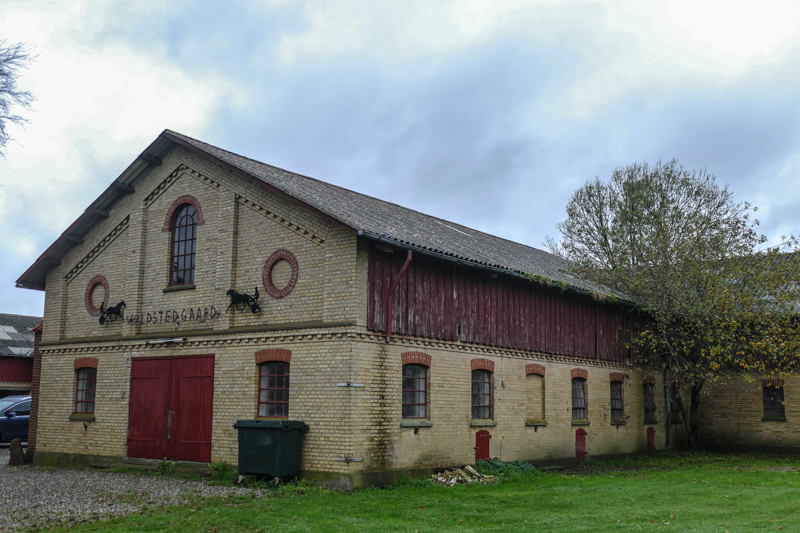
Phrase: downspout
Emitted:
{"points": [[389, 298]]}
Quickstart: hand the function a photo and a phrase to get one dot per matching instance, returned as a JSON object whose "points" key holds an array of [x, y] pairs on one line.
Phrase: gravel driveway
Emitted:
{"points": [[32, 497]]}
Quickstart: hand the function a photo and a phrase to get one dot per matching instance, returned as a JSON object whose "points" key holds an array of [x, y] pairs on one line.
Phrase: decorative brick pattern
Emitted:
{"points": [[533, 368], [266, 274], [273, 354], [649, 380], [85, 362], [579, 373], [616, 376], [185, 199], [772, 382], [94, 252], [416, 358], [482, 364], [95, 281]]}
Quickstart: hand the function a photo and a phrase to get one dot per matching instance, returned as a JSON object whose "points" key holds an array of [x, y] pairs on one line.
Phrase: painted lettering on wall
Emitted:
{"points": [[199, 314]]}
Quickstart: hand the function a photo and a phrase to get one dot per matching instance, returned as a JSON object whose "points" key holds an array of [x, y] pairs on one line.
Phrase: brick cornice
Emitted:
{"points": [[416, 358], [273, 354], [579, 373], [533, 368], [85, 362], [482, 364]]}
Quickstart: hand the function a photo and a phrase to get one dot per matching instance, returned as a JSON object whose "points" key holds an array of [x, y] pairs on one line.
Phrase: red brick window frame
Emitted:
{"points": [[85, 384], [534, 369], [273, 382], [94, 282], [184, 217]]}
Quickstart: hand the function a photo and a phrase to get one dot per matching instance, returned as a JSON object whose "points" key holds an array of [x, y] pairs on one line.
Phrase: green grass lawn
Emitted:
{"points": [[675, 492]]}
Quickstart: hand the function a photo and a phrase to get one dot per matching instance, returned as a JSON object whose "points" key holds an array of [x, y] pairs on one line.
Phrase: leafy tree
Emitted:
{"points": [[716, 298], [13, 58]]}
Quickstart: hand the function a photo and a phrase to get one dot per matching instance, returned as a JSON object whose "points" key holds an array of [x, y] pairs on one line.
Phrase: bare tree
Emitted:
{"points": [[13, 58]]}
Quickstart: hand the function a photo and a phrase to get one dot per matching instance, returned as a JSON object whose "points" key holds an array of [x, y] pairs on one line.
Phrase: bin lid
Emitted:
{"points": [[271, 424]]}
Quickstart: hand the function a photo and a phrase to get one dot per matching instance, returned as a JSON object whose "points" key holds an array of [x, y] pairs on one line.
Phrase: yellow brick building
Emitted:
{"points": [[492, 346]]}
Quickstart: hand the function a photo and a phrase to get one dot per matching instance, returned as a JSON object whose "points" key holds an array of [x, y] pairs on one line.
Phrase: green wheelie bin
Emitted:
{"points": [[270, 447]]}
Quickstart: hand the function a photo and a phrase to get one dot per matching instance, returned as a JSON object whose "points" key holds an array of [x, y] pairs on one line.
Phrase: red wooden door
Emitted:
{"points": [[148, 408], [170, 409], [651, 441], [482, 445], [580, 444]]}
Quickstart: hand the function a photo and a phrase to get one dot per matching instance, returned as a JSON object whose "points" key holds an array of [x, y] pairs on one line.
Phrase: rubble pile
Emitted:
{"points": [[464, 475]]}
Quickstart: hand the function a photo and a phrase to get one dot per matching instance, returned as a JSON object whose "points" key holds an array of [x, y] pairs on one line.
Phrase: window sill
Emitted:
{"points": [[83, 417], [618, 422], [580, 422], [482, 423], [773, 419], [535, 422], [173, 288], [416, 423], [650, 422], [272, 418]]}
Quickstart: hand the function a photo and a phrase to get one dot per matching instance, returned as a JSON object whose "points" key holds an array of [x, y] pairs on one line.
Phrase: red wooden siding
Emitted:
{"points": [[443, 300], [16, 369]]}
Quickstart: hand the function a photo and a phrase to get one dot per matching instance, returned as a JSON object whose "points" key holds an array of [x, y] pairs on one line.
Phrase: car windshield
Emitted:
{"points": [[5, 404]]}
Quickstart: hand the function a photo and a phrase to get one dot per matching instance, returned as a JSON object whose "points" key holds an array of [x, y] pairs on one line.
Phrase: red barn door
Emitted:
{"points": [[482, 445], [170, 409], [580, 444]]}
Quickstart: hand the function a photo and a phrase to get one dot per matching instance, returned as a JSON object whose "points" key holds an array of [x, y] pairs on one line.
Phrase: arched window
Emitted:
{"points": [[85, 390], [273, 390], [415, 391], [184, 237], [481, 394], [579, 407]]}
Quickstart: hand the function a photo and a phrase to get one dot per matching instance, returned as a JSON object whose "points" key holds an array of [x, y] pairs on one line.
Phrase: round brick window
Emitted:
{"points": [[95, 285], [280, 274]]}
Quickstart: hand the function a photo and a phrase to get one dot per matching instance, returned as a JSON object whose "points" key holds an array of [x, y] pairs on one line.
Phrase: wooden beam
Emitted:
{"points": [[156, 162], [74, 238], [123, 187], [103, 214]]}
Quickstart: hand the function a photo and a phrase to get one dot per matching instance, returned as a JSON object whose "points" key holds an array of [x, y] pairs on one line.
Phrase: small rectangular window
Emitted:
{"points": [[415, 391], [85, 390], [617, 405], [649, 402], [773, 402], [674, 409], [273, 390], [579, 408], [481, 394]]}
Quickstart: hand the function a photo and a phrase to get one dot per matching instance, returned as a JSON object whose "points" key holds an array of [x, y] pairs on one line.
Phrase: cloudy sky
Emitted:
{"points": [[487, 113]]}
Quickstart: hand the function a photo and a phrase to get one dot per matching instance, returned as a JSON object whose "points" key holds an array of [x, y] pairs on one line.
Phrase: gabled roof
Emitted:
{"points": [[370, 217], [16, 339]]}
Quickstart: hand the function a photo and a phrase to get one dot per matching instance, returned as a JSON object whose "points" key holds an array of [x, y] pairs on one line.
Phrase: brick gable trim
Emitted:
{"points": [[482, 364], [416, 358], [186, 199], [86, 362], [273, 354], [579, 373], [533, 368]]}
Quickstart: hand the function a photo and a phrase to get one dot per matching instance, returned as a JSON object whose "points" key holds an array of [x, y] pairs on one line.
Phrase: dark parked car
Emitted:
{"points": [[14, 414]]}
